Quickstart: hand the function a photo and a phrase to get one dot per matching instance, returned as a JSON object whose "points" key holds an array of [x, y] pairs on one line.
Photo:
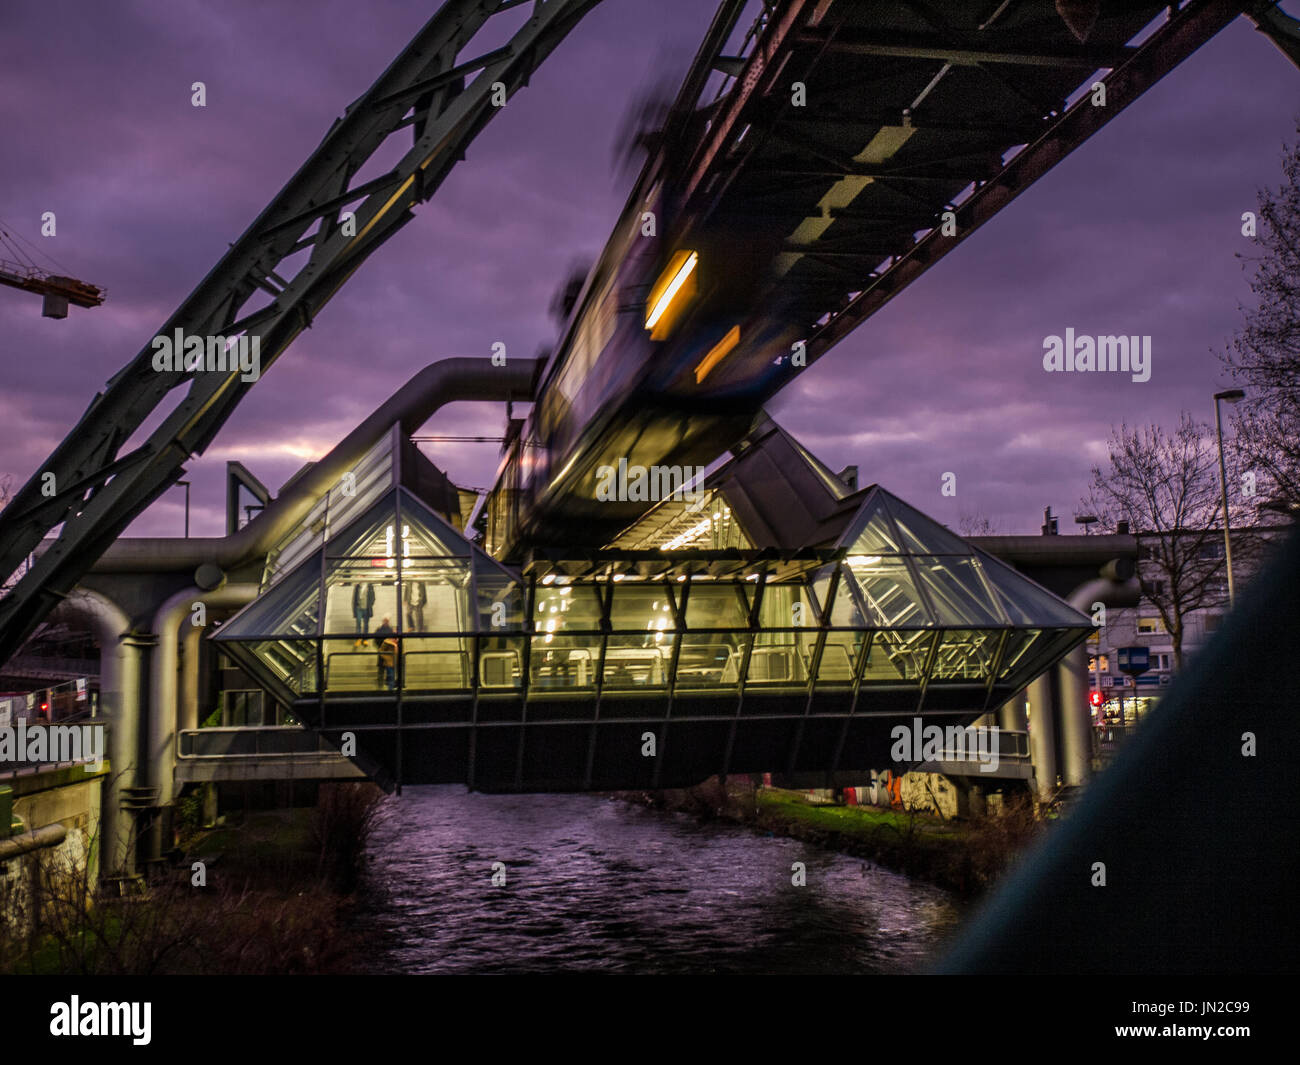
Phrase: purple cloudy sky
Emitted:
{"points": [[1138, 232]]}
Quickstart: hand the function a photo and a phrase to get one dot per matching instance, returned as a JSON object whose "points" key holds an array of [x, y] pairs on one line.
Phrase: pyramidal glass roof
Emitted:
{"points": [[914, 573]]}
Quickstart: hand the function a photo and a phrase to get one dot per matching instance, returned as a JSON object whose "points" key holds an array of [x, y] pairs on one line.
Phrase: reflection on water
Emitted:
{"points": [[596, 884]]}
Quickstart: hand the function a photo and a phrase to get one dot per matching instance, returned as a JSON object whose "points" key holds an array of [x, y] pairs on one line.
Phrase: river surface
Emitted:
{"points": [[594, 884]]}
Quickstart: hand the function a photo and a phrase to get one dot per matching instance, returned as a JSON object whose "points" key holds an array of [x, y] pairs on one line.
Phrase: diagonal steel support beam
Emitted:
{"points": [[223, 304], [1281, 29]]}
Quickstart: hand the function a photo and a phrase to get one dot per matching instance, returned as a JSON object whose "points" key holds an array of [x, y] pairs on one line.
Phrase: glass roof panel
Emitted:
{"points": [[290, 608], [957, 592], [889, 591], [1026, 602], [923, 535], [872, 533]]}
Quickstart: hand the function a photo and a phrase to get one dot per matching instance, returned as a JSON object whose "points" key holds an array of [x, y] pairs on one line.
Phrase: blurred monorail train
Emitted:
{"points": [[665, 360]]}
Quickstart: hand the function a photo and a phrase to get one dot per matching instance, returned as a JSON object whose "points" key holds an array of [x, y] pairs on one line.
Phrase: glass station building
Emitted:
{"points": [[781, 620]]}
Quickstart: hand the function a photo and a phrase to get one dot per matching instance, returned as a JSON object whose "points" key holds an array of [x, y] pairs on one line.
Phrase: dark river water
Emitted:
{"points": [[594, 884]]}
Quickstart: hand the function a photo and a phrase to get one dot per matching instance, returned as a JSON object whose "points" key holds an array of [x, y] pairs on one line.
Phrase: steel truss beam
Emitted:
{"points": [[96, 492], [962, 49], [1177, 39]]}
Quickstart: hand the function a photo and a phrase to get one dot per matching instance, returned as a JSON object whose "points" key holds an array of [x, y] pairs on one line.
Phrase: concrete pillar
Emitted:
{"points": [[1011, 714], [1075, 717], [1042, 733]]}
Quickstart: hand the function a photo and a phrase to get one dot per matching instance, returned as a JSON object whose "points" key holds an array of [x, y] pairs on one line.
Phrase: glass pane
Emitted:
{"points": [[839, 654], [500, 599], [435, 596], [634, 662], [887, 588], [897, 657], [924, 535], [957, 593], [292, 662], [641, 608], [844, 610], [370, 478], [569, 607], [778, 658], [435, 663], [353, 666], [291, 608], [715, 605], [787, 606], [1018, 643], [1026, 602], [965, 655], [357, 598], [500, 662], [710, 660], [875, 536], [564, 662]]}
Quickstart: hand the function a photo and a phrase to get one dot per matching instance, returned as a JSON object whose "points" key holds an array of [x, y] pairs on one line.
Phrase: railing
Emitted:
{"points": [[22, 766], [1011, 747], [258, 741]]}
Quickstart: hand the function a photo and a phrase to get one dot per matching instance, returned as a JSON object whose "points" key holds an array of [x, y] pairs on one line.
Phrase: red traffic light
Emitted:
{"points": [[1095, 698]]}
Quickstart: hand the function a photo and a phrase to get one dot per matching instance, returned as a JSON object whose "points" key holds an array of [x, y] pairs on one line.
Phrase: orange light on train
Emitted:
{"points": [[719, 352], [673, 290]]}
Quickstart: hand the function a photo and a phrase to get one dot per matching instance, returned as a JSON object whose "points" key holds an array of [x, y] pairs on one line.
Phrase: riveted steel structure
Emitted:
{"points": [[271, 284]]}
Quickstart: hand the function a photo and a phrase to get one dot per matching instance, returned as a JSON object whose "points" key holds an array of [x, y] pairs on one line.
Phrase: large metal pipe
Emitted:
{"points": [[120, 655], [1072, 675], [160, 744], [438, 384]]}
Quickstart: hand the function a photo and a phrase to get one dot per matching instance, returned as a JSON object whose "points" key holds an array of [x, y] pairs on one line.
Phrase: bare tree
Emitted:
{"points": [[977, 523], [1166, 486], [1264, 355]]}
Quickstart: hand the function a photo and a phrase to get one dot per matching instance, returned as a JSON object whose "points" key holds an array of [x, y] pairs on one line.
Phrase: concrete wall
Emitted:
{"points": [[66, 797]]}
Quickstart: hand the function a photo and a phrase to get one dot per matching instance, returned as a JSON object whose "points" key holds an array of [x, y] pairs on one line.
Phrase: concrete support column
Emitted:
{"points": [[1011, 715], [1042, 733], [1076, 717]]}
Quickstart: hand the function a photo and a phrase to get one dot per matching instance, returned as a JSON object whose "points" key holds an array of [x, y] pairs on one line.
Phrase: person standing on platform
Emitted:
{"points": [[363, 605], [416, 596], [386, 641]]}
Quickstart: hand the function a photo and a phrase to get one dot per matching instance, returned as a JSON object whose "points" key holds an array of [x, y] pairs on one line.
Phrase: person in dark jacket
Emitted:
{"points": [[386, 640], [363, 605]]}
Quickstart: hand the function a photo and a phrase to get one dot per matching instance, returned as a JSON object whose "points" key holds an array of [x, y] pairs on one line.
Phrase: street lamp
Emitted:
{"points": [[187, 506], [1232, 395]]}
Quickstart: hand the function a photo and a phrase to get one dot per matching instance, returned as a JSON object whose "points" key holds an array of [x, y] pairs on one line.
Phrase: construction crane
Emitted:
{"points": [[58, 290]]}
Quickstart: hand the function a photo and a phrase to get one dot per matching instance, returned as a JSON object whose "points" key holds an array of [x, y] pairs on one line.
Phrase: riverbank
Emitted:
{"points": [[267, 892], [965, 857]]}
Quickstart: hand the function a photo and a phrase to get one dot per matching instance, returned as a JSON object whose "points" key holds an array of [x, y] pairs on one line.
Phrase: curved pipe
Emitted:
{"points": [[26, 842], [119, 703], [438, 384], [160, 741]]}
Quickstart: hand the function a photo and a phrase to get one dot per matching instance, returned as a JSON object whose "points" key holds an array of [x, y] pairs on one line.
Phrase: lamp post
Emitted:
{"points": [[187, 506], [1232, 395]]}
